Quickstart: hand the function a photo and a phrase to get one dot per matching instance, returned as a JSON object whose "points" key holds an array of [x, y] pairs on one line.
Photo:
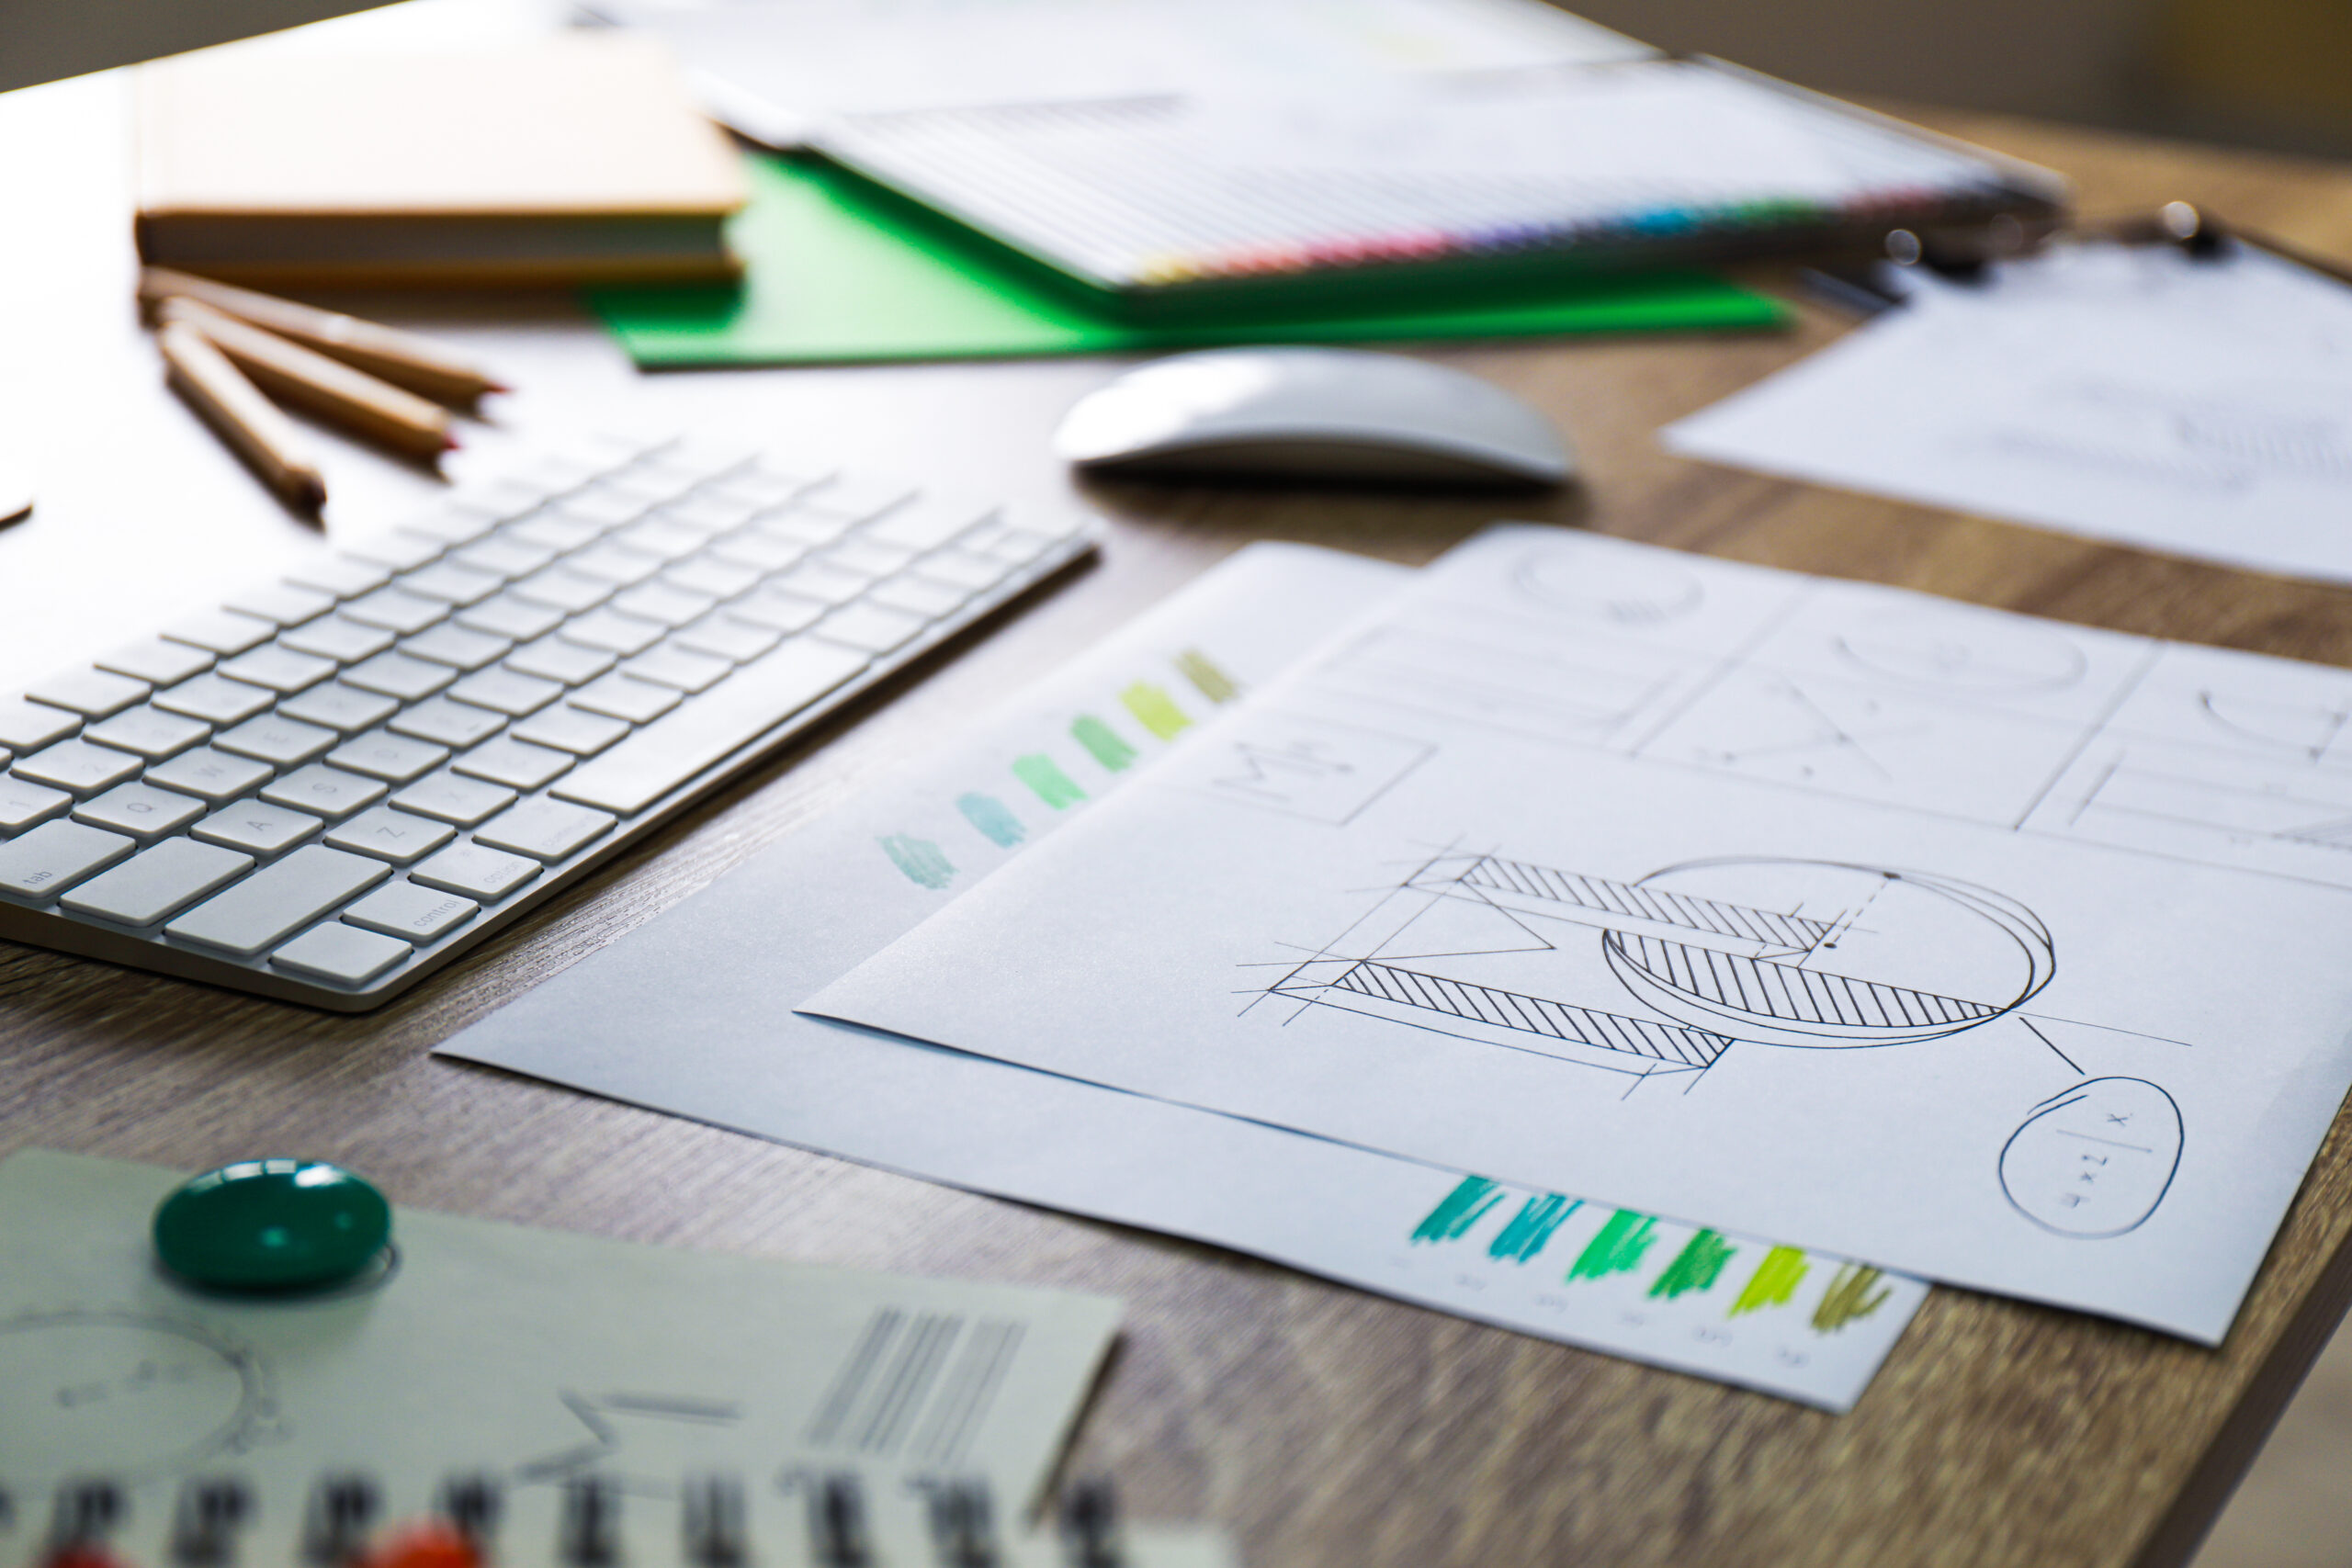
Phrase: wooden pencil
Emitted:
{"points": [[328, 388], [250, 422], [405, 359]]}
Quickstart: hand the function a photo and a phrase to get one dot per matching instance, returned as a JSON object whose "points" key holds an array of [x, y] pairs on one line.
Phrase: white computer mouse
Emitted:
{"points": [[1312, 414]]}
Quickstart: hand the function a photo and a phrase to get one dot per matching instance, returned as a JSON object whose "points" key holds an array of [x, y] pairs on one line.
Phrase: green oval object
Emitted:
{"points": [[272, 1225]]}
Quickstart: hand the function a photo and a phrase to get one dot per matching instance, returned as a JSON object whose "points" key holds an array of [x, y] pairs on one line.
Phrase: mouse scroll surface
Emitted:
{"points": [[1342, 414]]}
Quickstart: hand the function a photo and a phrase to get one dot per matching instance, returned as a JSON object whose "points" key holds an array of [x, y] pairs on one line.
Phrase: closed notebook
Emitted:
{"points": [[569, 159]]}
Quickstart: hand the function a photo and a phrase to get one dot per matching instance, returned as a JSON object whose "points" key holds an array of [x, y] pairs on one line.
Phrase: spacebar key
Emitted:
{"points": [[277, 900], [668, 751]]}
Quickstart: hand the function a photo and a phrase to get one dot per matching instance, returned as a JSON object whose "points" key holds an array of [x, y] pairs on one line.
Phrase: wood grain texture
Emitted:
{"points": [[1327, 1426]]}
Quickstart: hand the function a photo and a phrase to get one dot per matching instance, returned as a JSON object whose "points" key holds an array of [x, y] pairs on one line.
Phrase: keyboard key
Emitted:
{"points": [[340, 953], [157, 663], [445, 723], [339, 706], [398, 676], [455, 799], [395, 611], [282, 743], [616, 563], [545, 829], [390, 835], [277, 900], [92, 693], [504, 691], [222, 631], [872, 557], [78, 767], [450, 583], [712, 514], [458, 646], [670, 665], [54, 856], [149, 731], [928, 522], [560, 588], [550, 532], [659, 537], [28, 727], [396, 759], [962, 569], [869, 627], [758, 551], [508, 761], [723, 636], [216, 699], [509, 617], [413, 913], [613, 632], [778, 611], [602, 507], [503, 558], [568, 728], [282, 604], [400, 548], [338, 638], [24, 803], [157, 884], [660, 602], [1021, 545], [635, 700], [709, 574], [552, 659], [210, 775], [810, 530], [857, 498], [762, 485], [343, 576], [916, 597], [324, 791], [257, 828], [140, 810], [282, 670], [475, 870], [826, 584], [665, 754]]}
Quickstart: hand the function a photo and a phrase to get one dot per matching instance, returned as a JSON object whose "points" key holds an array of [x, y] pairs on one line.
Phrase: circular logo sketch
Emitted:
{"points": [[1963, 653], [1605, 587], [121, 1394], [1813, 954]]}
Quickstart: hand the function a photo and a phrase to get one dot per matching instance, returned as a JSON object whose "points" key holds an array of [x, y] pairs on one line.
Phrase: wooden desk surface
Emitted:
{"points": [[1326, 1426]]}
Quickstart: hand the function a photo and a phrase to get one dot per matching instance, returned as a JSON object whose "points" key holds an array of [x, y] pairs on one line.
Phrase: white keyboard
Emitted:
{"points": [[332, 784]]}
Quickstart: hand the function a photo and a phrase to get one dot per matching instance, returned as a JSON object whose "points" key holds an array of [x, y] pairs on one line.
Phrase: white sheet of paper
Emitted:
{"points": [[527, 1356], [2131, 394], [721, 968], [2003, 952]]}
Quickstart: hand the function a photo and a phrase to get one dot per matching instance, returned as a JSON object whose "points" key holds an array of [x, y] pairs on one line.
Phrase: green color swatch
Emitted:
{"points": [[924, 863], [1102, 742], [1206, 678], [1529, 1229], [1618, 1248], [1046, 781], [1696, 1267], [994, 818], [1459, 1210], [1775, 1281], [840, 271], [1155, 710], [1848, 1298]]}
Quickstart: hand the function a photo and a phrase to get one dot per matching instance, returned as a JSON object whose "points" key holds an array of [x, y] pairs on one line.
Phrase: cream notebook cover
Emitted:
{"points": [[575, 157]]}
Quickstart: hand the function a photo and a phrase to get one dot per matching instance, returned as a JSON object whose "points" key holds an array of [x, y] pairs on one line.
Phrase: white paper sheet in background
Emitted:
{"points": [[2000, 951], [721, 970], [527, 1356], [2131, 394]]}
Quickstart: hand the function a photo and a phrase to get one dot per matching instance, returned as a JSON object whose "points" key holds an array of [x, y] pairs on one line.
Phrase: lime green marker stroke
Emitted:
{"points": [[924, 863], [1155, 710], [1618, 1248], [1529, 1229], [1102, 743], [1459, 1210], [1848, 1298], [1774, 1283], [1206, 678], [1046, 781], [1695, 1268], [994, 818]]}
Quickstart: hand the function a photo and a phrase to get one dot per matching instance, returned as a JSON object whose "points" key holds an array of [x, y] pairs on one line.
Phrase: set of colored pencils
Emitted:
{"points": [[229, 351]]}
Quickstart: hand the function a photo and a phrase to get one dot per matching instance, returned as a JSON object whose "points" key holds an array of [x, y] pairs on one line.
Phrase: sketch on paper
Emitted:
{"points": [[132, 1393], [2095, 1161]]}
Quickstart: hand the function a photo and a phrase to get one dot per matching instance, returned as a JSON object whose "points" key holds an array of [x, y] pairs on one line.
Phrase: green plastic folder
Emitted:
{"points": [[841, 272]]}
